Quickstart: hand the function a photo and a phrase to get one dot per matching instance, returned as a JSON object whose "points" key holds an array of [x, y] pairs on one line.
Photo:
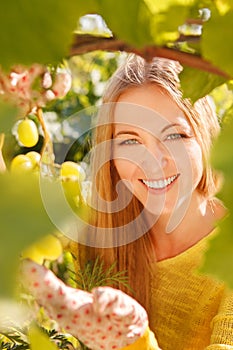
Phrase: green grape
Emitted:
{"points": [[72, 169], [27, 133], [72, 174], [34, 157], [50, 247], [21, 163], [33, 254]]}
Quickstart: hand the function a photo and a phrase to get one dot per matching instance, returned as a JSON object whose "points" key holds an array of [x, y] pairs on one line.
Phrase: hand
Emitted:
{"points": [[106, 318]]}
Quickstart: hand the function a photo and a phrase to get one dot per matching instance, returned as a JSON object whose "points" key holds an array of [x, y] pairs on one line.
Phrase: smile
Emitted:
{"points": [[159, 184]]}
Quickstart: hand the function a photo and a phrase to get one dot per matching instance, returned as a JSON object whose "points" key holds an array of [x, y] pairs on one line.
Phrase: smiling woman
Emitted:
{"points": [[151, 169], [154, 212]]}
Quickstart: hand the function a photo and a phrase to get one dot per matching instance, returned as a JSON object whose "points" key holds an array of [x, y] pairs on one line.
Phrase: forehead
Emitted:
{"points": [[147, 107]]}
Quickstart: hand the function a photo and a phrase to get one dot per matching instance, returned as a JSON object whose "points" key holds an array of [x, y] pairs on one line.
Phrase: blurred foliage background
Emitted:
{"points": [[198, 33]]}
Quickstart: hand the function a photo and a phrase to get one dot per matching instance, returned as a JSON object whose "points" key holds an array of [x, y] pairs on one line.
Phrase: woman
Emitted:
{"points": [[160, 148], [155, 211]]}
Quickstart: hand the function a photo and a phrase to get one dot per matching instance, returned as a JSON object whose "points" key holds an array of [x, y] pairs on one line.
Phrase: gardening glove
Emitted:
{"points": [[106, 318]]}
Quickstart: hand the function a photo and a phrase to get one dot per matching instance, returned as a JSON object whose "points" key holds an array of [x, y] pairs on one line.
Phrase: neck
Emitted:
{"points": [[190, 222]]}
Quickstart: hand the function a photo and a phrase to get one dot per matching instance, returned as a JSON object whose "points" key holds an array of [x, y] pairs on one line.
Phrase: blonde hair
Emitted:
{"points": [[135, 257]]}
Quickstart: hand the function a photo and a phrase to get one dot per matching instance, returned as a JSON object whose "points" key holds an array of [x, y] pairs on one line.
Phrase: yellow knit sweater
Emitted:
{"points": [[190, 311]]}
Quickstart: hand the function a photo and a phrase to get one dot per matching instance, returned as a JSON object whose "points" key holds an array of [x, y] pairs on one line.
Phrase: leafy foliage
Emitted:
{"points": [[219, 256], [94, 275], [8, 115], [23, 220], [43, 32], [192, 78], [165, 19], [214, 47], [22, 29], [34, 338]]}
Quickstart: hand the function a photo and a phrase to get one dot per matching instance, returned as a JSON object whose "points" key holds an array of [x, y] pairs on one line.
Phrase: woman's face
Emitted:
{"points": [[155, 150]]}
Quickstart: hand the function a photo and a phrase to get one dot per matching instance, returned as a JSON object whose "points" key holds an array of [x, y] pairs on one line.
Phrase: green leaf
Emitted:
{"points": [[8, 115], [38, 31], [39, 340], [217, 41], [88, 7], [158, 6], [145, 22], [168, 15], [23, 221], [222, 157], [223, 96], [128, 20], [219, 260], [196, 83], [224, 5]]}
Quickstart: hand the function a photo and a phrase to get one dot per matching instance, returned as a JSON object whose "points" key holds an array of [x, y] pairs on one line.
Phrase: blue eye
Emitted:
{"points": [[175, 136], [130, 142]]}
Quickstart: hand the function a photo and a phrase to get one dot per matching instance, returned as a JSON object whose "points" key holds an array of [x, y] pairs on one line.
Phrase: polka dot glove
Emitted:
{"points": [[106, 318]]}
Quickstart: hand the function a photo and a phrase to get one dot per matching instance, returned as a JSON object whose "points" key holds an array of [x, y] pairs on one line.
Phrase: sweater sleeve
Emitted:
{"points": [[146, 342], [222, 330], [222, 325]]}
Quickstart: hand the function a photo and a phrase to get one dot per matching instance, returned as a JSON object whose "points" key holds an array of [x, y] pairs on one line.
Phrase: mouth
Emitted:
{"points": [[160, 184]]}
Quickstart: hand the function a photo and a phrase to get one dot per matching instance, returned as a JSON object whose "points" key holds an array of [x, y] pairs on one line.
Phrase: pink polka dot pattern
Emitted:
{"points": [[105, 319]]}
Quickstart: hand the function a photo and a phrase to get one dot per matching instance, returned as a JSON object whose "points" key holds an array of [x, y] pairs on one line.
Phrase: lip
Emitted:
{"points": [[160, 190]]}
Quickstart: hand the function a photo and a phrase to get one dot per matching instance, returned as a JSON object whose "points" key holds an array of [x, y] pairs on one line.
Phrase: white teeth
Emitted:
{"points": [[161, 183]]}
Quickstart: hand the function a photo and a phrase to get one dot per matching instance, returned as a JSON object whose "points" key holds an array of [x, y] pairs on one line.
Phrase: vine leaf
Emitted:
{"points": [[218, 261], [23, 221], [196, 83], [8, 114], [135, 19], [40, 33], [216, 46], [39, 340]]}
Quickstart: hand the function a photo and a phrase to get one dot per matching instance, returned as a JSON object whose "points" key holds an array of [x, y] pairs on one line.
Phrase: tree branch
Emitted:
{"points": [[84, 43]]}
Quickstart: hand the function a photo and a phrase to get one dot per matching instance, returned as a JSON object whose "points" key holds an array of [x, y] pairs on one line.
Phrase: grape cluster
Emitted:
{"points": [[71, 176], [23, 163]]}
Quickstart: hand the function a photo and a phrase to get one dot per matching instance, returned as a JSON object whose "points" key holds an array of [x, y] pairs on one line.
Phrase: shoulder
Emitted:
{"points": [[222, 323]]}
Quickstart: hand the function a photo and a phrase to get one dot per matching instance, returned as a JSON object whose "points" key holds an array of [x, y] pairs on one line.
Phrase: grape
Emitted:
{"points": [[72, 174], [33, 254], [50, 247], [71, 169], [21, 163], [34, 157], [27, 133]]}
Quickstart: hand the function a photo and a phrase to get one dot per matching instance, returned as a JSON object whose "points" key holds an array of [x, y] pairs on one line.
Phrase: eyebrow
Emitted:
{"points": [[128, 132], [123, 132], [169, 126]]}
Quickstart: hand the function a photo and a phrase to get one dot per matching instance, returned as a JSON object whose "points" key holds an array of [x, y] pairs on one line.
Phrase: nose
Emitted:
{"points": [[155, 157]]}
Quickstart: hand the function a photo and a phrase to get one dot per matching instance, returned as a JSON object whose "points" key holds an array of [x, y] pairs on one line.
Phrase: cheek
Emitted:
{"points": [[196, 161], [125, 169], [198, 155]]}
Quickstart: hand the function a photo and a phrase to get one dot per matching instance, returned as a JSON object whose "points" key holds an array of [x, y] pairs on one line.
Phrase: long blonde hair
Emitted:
{"points": [[135, 257]]}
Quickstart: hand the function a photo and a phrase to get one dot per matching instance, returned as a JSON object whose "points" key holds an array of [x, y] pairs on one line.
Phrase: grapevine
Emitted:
{"points": [[18, 88]]}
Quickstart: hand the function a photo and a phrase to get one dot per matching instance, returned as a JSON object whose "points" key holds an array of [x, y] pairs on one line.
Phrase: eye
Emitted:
{"points": [[175, 136], [130, 142]]}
